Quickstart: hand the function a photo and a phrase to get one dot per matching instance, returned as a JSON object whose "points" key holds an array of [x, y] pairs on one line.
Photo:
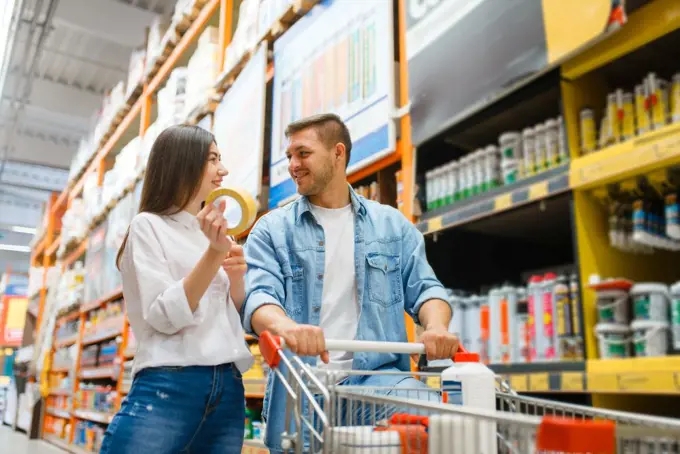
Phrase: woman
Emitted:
{"points": [[183, 282]]}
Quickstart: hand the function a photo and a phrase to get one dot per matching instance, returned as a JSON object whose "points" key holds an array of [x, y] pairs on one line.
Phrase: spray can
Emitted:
{"points": [[613, 125], [628, 120], [485, 325], [588, 132], [675, 99], [575, 297], [429, 190], [524, 340], [549, 316], [509, 329], [658, 90], [551, 144], [450, 180], [642, 115], [491, 158], [535, 310], [473, 324], [540, 151], [562, 141], [495, 326], [563, 319], [528, 151], [471, 175]]}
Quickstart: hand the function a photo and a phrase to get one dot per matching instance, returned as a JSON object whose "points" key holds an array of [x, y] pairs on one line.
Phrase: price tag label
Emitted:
{"points": [[503, 202], [518, 382], [539, 382], [538, 190], [434, 224], [572, 381]]}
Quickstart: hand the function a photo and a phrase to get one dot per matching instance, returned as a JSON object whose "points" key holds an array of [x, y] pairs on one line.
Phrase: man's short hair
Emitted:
{"points": [[330, 128]]}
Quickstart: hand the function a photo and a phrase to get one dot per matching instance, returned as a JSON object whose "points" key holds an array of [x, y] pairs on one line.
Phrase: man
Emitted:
{"points": [[335, 265]]}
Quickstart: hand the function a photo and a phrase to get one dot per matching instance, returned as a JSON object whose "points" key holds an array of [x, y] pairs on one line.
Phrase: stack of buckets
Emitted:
{"points": [[635, 320]]}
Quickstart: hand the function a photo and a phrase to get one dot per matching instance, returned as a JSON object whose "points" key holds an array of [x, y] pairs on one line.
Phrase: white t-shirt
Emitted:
{"points": [[339, 318]]}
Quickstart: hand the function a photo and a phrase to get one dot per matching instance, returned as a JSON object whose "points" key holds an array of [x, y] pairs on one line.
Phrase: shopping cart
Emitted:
{"points": [[324, 415]]}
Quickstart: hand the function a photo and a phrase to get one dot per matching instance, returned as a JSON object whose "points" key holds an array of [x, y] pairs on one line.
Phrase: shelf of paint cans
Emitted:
{"points": [[536, 324], [502, 198], [636, 319]]}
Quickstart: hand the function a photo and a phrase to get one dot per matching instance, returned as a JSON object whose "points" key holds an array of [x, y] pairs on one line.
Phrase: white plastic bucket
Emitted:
{"points": [[612, 307], [675, 315], [650, 301], [650, 338], [614, 340]]}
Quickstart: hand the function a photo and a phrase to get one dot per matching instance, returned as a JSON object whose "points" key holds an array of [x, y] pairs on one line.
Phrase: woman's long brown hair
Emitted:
{"points": [[174, 172]]}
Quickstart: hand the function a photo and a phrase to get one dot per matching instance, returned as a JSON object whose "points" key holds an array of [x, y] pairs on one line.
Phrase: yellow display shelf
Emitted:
{"points": [[649, 152], [654, 20], [635, 375]]}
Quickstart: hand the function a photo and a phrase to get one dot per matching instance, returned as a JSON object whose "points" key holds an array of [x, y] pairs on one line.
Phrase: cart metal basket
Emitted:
{"points": [[323, 415]]}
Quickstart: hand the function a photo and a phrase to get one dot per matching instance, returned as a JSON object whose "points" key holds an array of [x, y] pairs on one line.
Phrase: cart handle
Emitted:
{"points": [[271, 345]]}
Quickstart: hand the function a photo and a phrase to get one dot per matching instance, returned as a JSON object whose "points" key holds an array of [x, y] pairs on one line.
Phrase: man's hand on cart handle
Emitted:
{"points": [[305, 340], [439, 343], [270, 345]]}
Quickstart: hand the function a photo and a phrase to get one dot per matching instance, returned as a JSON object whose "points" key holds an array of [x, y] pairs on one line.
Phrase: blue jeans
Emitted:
{"points": [[196, 409]]}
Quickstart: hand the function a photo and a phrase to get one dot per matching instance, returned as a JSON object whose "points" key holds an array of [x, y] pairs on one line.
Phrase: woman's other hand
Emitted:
{"points": [[235, 263], [214, 227]]}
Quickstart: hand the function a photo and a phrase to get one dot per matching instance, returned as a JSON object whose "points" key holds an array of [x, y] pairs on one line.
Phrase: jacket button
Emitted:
{"points": [[320, 276], [320, 243], [317, 308]]}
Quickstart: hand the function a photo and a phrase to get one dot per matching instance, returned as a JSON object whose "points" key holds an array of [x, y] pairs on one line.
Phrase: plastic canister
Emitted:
{"points": [[471, 174], [479, 185], [675, 315], [454, 190], [470, 383], [562, 140], [495, 297], [510, 144], [510, 345], [613, 339], [650, 338], [650, 301], [612, 306], [548, 322], [535, 310]]}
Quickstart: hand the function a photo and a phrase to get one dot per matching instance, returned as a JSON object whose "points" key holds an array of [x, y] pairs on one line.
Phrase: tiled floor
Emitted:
{"points": [[18, 443]]}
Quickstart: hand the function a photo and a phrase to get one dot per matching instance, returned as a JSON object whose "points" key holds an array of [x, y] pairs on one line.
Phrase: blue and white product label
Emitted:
{"points": [[672, 214], [454, 389]]}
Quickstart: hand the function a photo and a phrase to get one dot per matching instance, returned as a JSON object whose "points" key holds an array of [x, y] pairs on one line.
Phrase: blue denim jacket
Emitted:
{"points": [[285, 257]]}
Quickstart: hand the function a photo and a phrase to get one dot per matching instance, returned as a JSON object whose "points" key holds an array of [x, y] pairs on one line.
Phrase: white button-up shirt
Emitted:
{"points": [[160, 252]]}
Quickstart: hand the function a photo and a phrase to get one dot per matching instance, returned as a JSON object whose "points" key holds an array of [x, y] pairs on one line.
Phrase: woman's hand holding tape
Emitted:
{"points": [[214, 225]]}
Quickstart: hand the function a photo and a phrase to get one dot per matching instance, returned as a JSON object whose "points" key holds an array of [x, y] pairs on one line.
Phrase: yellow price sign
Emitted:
{"points": [[434, 224], [538, 190], [503, 202], [572, 381], [519, 382]]}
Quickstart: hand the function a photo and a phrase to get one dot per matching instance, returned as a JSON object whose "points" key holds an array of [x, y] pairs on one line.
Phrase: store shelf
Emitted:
{"points": [[93, 373], [60, 392], [103, 334], [94, 416], [652, 151], [254, 447], [254, 388], [59, 413], [635, 376], [113, 296], [58, 442], [532, 189], [75, 253], [66, 342], [60, 370], [654, 20]]}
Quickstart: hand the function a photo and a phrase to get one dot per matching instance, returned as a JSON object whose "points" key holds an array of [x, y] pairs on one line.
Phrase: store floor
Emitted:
{"points": [[18, 443]]}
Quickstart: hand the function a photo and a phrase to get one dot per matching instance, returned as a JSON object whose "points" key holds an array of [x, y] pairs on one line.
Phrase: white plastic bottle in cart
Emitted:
{"points": [[470, 383]]}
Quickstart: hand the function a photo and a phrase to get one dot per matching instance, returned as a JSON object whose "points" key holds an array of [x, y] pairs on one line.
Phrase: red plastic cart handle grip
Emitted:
{"points": [[271, 345]]}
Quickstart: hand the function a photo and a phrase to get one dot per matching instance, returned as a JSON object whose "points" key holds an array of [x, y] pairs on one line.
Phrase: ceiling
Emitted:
{"points": [[64, 56]]}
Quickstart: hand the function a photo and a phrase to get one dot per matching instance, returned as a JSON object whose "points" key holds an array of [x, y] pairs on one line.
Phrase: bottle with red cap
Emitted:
{"points": [[470, 383]]}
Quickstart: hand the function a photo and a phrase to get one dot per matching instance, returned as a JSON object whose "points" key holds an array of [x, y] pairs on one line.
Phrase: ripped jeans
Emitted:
{"points": [[195, 409]]}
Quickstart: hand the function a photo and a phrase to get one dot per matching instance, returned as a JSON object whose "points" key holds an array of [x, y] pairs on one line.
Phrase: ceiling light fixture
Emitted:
{"points": [[21, 229], [15, 248]]}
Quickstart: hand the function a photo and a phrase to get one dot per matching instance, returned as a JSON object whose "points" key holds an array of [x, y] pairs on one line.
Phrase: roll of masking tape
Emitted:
{"points": [[244, 200]]}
